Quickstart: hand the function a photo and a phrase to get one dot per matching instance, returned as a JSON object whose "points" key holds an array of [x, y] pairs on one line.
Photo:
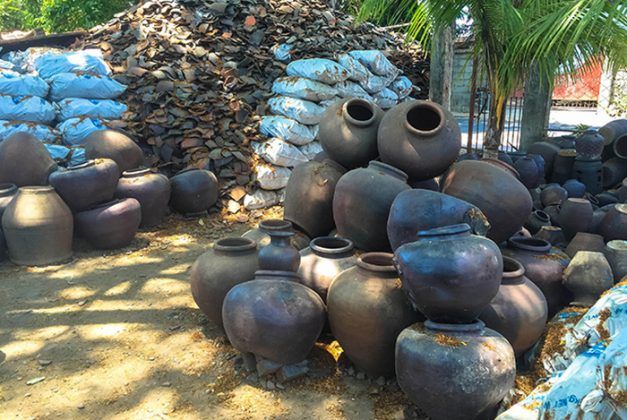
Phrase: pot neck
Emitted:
{"points": [[542, 216], [359, 112], [234, 245], [513, 271], [46, 189], [445, 233], [388, 170], [275, 225], [7, 190], [277, 275], [530, 244], [135, 173], [475, 327], [380, 263], [332, 247]]}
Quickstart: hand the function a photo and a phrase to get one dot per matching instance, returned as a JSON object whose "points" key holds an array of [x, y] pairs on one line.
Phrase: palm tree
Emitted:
{"points": [[513, 36]]}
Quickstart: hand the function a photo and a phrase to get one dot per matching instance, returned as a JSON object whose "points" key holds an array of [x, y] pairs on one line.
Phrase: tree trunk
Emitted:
{"points": [[496, 124]]}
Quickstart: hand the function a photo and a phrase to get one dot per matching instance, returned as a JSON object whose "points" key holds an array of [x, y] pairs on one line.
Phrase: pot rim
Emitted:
{"points": [[444, 231], [131, 173], [512, 270], [291, 275], [370, 261], [530, 244], [474, 326], [578, 200], [186, 170], [432, 107], [542, 215], [87, 164], [38, 189], [7, 188], [345, 247], [275, 225], [389, 169], [234, 244], [362, 102], [617, 245], [621, 208]]}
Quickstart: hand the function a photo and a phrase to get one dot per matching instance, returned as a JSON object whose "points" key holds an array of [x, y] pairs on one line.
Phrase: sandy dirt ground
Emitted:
{"points": [[117, 335]]}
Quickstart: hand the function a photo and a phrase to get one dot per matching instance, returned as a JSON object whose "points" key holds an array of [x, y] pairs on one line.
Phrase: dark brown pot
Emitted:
{"points": [[622, 191], [552, 234], [590, 173], [589, 144], [563, 166], [575, 216], [606, 197], [616, 254], [544, 266], [309, 196], [279, 254], [229, 262], [38, 227], [587, 276], [536, 221], [614, 224], [151, 189], [348, 132], [274, 317], [449, 274], [25, 161], [114, 145], [323, 260], [518, 311], [362, 201], [620, 146], [433, 368], [299, 241], [428, 184], [420, 138], [584, 241], [530, 173], [194, 191], [415, 210], [3, 246], [597, 218], [574, 188], [87, 184], [554, 213], [367, 311], [493, 187], [614, 171], [7, 193], [548, 151], [614, 130], [110, 225], [553, 195]]}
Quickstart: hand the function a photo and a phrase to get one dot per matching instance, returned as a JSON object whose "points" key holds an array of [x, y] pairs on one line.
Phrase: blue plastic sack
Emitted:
{"points": [[287, 129], [349, 89], [282, 52], [75, 130], [402, 86], [57, 151], [303, 111], [386, 99], [84, 85], [26, 108], [94, 108], [299, 87], [357, 72], [41, 132], [53, 63], [376, 62], [16, 84], [320, 69]]}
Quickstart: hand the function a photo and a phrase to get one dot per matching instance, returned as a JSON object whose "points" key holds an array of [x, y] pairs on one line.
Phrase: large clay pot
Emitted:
{"points": [[544, 266], [553, 195], [614, 130], [492, 186], [367, 311], [273, 316], [616, 254], [151, 189], [362, 201], [574, 188], [89, 183], [589, 145], [416, 210], [620, 147], [114, 145], [575, 216], [518, 311], [614, 224], [536, 221], [38, 227], [229, 262], [25, 161], [597, 218], [587, 276], [454, 371], [279, 254], [548, 151], [194, 191], [419, 137], [323, 260], [530, 174], [449, 274], [348, 132], [614, 171], [563, 165], [110, 225], [309, 196], [7, 193], [584, 241], [590, 173], [552, 234]]}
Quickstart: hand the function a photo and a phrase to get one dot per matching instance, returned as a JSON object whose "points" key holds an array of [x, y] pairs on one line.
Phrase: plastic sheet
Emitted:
{"points": [[357, 72], [279, 152], [320, 69], [26, 108], [41, 132], [303, 111], [94, 108], [376, 62], [375, 84], [53, 63], [75, 130], [260, 199], [83, 85], [287, 129], [402, 86], [16, 84], [386, 99], [299, 87], [272, 177]]}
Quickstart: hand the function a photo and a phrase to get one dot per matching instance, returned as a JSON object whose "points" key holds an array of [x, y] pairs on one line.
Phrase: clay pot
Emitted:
{"points": [[539, 160], [433, 369], [38, 227], [614, 171], [518, 311], [574, 188], [504, 157], [415, 210], [535, 198], [620, 147], [113, 144], [614, 224], [193, 192], [367, 311], [492, 186], [614, 130], [536, 221], [299, 241], [449, 274], [362, 201], [567, 141], [575, 216], [229, 262], [348, 132], [553, 195], [309, 196], [323, 260], [7, 193], [589, 145], [590, 173], [3, 246], [606, 197], [279, 255], [468, 156], [25, 161], [584, 241], [427, 184], [110, 225], [597, 218], [151, 189], [548, 151], [552, 234], [544, 266], [554, 214], [563, 165], [587, 276], [622, 191], [419, 137], [530, 174], [87, 184], [616, 254], [274, 317]]}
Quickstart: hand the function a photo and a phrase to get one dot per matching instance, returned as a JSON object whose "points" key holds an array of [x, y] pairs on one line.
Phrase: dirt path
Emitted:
{"points": [[117, 335]]}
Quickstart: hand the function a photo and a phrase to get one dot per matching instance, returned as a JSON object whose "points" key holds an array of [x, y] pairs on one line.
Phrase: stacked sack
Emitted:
{"points": [[311, 86]]}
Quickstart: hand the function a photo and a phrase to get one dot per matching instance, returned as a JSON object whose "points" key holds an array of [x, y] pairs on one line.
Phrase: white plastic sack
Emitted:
{"points": [[386, 99], [260, 199], [53, 63], [83, 85], [75, 130], [299, 87], [320, 69], [16, 84], [26, 108], [94, 108], [287, 129], [272, 177], [303, 111], [279, 152], [352, 90], [310, 150], [376, 62], [402, 86], [357, 72], [41, 132]]}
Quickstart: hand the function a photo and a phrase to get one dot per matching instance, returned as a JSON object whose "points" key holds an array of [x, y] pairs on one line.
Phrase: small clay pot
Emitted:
{"points": [[548, 151], [7, 193], [597, 218], [115, 145], [25, 161], [536, 221], [151, 189], [614, 171], [299, 241], [587, 276], [590, 173], [575, 216], [589, 145], [530, 174], [616, 254], [109, 225], [607, 197], [563, 166], [553, 195], [279, 255], [539, 160], [584, 241], [194, 191], [614, 224], [620, 147], [554, 214], [574, 188]]}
